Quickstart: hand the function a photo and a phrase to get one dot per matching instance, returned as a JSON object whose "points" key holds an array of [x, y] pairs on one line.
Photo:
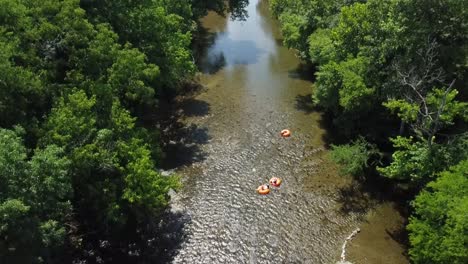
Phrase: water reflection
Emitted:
{"points": [[269, 25], [229, 52], [238, 9]]}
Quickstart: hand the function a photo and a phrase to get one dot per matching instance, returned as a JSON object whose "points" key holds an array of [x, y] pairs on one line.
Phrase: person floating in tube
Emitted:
{"points": [[263, 189]]}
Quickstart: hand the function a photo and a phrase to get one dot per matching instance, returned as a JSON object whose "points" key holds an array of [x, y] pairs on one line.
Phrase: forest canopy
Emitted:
{"points": [[78, 165]]}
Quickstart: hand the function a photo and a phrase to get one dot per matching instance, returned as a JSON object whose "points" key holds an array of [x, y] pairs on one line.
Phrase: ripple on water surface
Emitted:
{"points": [[230, 221]]}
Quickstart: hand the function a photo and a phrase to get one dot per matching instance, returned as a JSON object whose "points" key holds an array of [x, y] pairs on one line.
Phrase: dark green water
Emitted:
{"points": [[254, 88]]}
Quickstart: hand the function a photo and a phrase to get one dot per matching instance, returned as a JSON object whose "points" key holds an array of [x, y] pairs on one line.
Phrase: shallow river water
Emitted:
{"points": [[253, 87]]}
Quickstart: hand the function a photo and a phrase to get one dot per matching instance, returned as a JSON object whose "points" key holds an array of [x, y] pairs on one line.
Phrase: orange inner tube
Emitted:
{"points": [[275, 181], [263, 189], [285, 133]]}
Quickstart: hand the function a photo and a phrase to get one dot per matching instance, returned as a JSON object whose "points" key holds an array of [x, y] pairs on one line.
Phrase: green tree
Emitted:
{"points": [[132, 79], [413, 160], [112, 166], [162, 35], [342, 89], [74, 74], [428, 113], [35, 205], [439, 226], [18, 87], [356, 157], [321, 48]]}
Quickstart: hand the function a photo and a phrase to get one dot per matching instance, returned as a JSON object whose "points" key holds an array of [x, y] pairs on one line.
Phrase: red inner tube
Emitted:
{"points": [[263, 189], [285, 133], [275, 181]]}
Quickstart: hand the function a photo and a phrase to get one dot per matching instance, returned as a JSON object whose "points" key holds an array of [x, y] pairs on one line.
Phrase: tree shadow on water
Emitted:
{"points": [[363, 195], [183, 148], [354, 199], [195, 107], [181, 142], [304, 103], [400, 235], [166, 238], [304, 71], [156, 239]]}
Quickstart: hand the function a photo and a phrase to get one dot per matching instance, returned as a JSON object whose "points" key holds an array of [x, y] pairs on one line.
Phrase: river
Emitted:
{"points": [[253, 87]]}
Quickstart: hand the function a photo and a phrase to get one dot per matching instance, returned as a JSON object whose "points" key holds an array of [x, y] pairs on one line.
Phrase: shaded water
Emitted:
{"points": [[253, 88]]}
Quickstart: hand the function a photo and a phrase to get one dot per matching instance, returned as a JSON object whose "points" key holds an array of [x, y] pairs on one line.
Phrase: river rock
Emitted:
{"points": [[171, 193], [166, 173]]}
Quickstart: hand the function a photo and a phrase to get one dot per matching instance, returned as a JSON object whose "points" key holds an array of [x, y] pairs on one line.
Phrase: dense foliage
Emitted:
{"points": [[439, 226], [35, 199], [355, 157], [393, 72], [78, 170]]}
